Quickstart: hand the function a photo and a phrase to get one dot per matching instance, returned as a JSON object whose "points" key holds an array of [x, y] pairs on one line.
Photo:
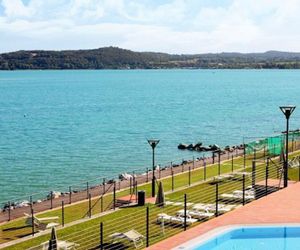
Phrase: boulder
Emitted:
{"points": [[182, 146]]}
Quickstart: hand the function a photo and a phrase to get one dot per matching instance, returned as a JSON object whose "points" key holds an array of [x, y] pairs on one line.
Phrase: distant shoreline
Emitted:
{"points": [[121, 59]]}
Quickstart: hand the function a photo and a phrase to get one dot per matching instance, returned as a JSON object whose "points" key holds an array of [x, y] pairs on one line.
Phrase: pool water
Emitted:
{"points": [[255, 238]]}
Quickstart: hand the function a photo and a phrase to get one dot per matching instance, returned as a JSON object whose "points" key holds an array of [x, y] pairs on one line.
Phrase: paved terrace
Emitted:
{"points": [[279, 207]]}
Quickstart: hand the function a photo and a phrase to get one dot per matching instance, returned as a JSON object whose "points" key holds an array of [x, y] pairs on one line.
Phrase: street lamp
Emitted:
{"points": [[287, 111], [153, 144]]}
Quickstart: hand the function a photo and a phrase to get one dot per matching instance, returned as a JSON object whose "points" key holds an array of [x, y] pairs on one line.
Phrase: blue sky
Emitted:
{"points": [[174, 26]]}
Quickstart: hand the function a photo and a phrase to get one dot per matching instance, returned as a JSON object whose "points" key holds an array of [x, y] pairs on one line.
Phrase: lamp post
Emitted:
{"points": [[153, 143], [287, 111]]}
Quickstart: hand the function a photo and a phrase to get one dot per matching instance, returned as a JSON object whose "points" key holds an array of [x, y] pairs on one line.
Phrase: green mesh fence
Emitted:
{"points": [[273, 144]]}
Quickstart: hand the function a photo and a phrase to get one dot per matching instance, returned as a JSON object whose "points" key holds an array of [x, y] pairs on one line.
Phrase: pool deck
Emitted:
{"points": [[279, 207]]}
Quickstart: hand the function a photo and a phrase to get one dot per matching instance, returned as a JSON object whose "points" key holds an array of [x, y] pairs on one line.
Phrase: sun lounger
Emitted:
{"points": [[196, 214], [41, 223], [237, 196], [175, 219], [222, 208], [132, 235]]}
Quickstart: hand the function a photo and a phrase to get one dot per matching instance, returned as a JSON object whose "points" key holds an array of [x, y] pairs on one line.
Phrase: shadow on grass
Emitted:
{"points": [[14, 228]]}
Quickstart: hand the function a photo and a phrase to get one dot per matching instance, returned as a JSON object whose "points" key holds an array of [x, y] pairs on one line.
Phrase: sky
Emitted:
{"points": [[174, 26]]}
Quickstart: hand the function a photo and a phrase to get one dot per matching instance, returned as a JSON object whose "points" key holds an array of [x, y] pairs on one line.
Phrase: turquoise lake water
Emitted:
{"points": [[58, 128]]}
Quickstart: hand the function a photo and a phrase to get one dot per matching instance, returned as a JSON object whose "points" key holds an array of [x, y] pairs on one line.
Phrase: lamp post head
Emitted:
{"points": [[287, 110], [153, 143]]}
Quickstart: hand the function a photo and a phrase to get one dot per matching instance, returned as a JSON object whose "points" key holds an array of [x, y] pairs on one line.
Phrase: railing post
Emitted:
{"points": [[114, 195], [130, 185], [243, 189], [253, 173], [219, 162], [103, 186], [51, 200], [147, 174], [172, 172], [185, 210], [159, 173], [101, 236], [204, 172], [228, 155], [217, 199], [267, 176], [147, 227], [101, 203], [90, 205], [87, 190], [136, 191], [63, 213], [9, 205], [193, 162], [264, 152], [213, 157], [299, 169], [189, 175], [231, 163], [32, 220], [70, 195], [244, 152], [182, 166], [254, 154]]}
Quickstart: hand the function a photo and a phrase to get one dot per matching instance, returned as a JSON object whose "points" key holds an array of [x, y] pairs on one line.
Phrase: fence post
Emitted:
{"points": [[130, 185], [253, 173], [264, 152], [103, 186], [182, 167], [159, 172], [299, 169], [254, 154], [147, 227], [173, 178], [217, 199], [101, 235], [90, 205], [9, 204], [243, 189], [267, 176], [193, 162], [244, 147], [136, 191], [63, 213], [87, 190], [204, 170], [231, 163], [228, 155], [236, 151], [51, 199], [189, 175], [185, 207], [101, 203], [70, 195], [219, 162], [213, 157], [32, 220], [114, 195], [147, 171]]}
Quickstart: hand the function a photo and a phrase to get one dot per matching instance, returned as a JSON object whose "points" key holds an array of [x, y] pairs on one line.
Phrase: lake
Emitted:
{"points": [[59, 128]]}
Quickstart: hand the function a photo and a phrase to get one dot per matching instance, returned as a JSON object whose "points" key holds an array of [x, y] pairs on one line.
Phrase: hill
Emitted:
{"points": [[116, 58]]}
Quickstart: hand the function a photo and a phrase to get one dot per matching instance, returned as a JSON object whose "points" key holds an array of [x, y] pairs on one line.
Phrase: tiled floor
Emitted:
{"points": [[280, 207]]}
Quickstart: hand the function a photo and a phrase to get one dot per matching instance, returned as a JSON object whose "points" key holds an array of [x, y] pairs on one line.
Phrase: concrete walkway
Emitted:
{"points": [[279, 207]]}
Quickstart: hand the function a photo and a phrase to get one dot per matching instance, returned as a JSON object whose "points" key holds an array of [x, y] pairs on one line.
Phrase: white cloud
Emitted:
{"points": [[174, 27]]}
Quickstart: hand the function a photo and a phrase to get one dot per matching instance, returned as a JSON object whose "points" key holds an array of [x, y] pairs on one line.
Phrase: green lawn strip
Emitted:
{"points": [[15, 229]]}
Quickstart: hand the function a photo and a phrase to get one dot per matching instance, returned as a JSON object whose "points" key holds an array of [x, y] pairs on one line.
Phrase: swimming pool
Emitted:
{"points": [[250, 238]]}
